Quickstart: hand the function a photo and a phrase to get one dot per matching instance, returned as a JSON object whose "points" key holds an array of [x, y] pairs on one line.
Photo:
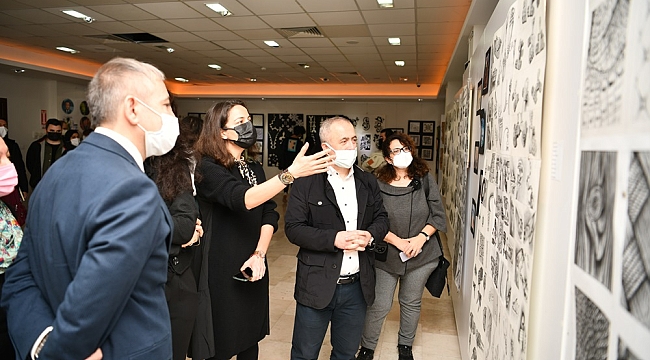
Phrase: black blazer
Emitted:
{"points": [[312, 221]]}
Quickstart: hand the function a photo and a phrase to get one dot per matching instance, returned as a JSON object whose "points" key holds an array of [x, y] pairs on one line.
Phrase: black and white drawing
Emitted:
{"points": [[624, 352], [594, 225], [427, 127], [280, 126], [592, 329], [601, 99], [364, 142], [636, 267], [427, 140]]}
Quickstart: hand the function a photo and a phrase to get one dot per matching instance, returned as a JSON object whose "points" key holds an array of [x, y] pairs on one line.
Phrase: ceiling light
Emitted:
{"points": [[253, 79], [67, 49], [219, 9], [404, 78], [303, 65], [183, 80], [170, 50], [19, 71], [324, 79], [394, 41], [271, 43], [419, 99], [78, 15], [385, 3], [399, 62], [215, 66]]}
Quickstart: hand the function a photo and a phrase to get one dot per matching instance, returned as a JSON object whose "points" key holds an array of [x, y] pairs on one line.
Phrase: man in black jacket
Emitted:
{"points": [[334, 218], [15, 155], [43, 152]]}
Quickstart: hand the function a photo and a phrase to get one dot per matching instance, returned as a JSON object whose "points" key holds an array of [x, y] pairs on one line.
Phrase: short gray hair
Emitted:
{"points": [[324, 131], [113, 81]]}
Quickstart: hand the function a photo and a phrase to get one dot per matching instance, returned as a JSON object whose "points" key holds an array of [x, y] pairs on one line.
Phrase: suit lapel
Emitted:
{"points": [[362, 198]]}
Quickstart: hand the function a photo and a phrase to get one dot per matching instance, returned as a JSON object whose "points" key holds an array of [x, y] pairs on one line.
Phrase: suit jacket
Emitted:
{"points": [[93, 262], [313, 219]]}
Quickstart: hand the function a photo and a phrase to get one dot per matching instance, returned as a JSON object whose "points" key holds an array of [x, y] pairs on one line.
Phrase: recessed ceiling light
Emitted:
{"points": [[303, 65], [78, 15], [404, 78], [219, 9], [324, 79], [215, 66], [67, 49], [271, 43], [394, 41], [253, 79], [183, 80], [399, 62], [419, 99], [352, 42], [19, 71], [385, 3]]}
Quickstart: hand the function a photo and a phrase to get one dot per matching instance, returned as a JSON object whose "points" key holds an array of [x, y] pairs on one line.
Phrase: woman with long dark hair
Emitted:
{"points": [[415, 212], [174, 175], [240, 218]]}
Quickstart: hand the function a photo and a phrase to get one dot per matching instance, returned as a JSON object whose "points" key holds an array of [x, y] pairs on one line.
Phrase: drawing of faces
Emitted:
{"points": [[519, 263], [519, 219], [529, 227]]}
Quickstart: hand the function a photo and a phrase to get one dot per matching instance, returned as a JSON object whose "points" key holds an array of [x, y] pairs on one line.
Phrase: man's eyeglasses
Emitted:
{"points": [[396, 151]]}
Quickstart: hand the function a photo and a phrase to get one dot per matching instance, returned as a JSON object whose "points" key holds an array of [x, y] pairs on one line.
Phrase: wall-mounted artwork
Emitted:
{"points": [[67, 106], [592, 329], [423, 135], [83, 108], [280, 126], [486, 72]]}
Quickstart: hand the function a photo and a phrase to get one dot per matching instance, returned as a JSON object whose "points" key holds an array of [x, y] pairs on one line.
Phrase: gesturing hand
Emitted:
{"points": [[312, 164]]}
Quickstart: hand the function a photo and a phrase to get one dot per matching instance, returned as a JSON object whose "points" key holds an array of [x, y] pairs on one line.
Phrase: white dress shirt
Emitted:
{"points": [[346, 197]]}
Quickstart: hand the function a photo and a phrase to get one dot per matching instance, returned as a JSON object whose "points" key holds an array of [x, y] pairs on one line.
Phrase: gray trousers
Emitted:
{"points": [[411, 287]]}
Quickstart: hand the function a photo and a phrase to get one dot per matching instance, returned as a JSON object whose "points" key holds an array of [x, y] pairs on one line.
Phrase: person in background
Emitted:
{"points": [[333, 217], [174, 175], [376, 159], [415, 211], [89, 279], [289, 149], [16, 156], [86, 127], [43, 152], [11, 236], [70, 140], [239, 220]]}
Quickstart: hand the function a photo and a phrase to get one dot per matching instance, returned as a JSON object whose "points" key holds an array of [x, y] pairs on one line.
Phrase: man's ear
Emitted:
{"points": [[129, 110]]}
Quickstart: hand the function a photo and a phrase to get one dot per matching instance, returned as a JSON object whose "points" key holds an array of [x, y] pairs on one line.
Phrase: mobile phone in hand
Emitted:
{"points": [[244, 275]]}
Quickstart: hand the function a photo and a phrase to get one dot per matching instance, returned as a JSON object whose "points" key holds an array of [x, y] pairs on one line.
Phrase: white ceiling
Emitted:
{"points": [[354, 48]]}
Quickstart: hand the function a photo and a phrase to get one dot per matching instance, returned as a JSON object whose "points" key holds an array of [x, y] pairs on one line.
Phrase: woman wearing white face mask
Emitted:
{"points": [[70, 140], [415, 211]]}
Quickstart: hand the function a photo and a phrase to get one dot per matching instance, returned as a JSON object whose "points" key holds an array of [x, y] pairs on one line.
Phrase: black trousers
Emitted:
{"points": [[183, 303]]}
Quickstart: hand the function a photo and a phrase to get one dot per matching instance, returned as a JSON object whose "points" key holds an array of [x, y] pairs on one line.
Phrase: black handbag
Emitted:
{"points": [[438, 278], [381, 250]]}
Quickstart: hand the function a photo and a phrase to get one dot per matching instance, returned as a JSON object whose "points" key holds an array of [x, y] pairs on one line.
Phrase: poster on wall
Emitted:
{"points": [[280, 126], [610, 273], [506, 206], [423, 134]]}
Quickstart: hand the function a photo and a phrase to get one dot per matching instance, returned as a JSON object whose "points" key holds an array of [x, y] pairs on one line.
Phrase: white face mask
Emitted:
{"points": [[160, 142], [344, 158], [74, 142], [402, 160], [3, 131]]}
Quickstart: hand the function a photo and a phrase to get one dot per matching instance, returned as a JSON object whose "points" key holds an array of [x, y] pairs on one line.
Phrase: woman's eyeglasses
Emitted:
{"points": [[396, 151]]}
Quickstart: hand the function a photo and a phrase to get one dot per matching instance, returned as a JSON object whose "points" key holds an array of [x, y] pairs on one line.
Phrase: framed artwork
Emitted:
{"points": [[67, 106], [427, 154], [479, 94], [260, 133], [473, 222], [416, 139], [427, 140], [427, 127], [476, 157], [481, 141], [257, 119], [83, 108], [414, 126], [486, 71]]}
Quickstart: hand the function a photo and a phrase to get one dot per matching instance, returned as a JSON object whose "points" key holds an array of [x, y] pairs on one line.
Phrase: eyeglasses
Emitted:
{"points": [[396, 151]]}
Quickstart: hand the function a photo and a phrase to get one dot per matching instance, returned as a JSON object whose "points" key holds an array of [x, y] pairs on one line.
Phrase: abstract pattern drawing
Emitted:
{"points": [[592, 329], [636, 254], [594, 227], [602, 93], [280, 126]]}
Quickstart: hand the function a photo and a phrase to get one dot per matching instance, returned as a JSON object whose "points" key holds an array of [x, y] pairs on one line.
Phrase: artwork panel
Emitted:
{"points": [[624, 352], [279, 127], [636, 89], [592, 329], [416, 139], [365, 142], [428, 127], [594, 224], [427, 154], [427, 140], [414, 127], [257, 119]]}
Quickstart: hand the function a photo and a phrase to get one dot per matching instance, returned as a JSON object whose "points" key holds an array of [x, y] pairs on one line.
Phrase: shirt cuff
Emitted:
{"points": [[38, 344]]}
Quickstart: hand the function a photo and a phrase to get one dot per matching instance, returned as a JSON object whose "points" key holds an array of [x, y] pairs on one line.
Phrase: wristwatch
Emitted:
{"points": [[285, 177], [426, 236]]}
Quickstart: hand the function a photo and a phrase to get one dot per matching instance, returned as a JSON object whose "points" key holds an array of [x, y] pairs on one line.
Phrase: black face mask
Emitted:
{"points": [[54, 136], [246, 135]]}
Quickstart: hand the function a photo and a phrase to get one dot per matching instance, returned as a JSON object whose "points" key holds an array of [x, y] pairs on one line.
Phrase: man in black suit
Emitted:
{"points": [[334, 217]]}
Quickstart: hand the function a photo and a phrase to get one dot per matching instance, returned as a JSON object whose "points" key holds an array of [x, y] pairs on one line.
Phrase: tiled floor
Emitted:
{"points": [[436, 337]]}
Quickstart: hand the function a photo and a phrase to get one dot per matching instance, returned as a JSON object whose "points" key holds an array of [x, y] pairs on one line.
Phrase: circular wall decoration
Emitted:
{"points": [[83, 107], [67, 105]]}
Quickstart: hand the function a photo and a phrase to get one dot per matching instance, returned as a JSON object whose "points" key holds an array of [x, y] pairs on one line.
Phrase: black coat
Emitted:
{"points": [[313, 219], [240, 310]]}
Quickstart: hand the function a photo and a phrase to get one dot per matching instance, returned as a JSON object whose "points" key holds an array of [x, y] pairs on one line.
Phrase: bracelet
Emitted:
{"points": [[259, 253], [426, 236]]}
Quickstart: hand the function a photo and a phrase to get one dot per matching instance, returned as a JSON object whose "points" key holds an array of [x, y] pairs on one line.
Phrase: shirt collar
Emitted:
{"points": [[125, 143], [332, 172]]}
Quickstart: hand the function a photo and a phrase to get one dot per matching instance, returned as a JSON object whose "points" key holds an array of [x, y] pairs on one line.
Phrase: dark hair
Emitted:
{"points": [[210, 143], [53, 122], [172, 170], [299, 130], [418, 167], [388, 132]]}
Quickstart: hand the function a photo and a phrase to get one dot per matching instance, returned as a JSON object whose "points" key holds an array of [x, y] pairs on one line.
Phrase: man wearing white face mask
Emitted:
{"points": [[89, 281], [334, 218]]}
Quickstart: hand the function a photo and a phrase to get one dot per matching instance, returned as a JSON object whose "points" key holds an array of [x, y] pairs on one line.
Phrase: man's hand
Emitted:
{"points": [[352, 240]]}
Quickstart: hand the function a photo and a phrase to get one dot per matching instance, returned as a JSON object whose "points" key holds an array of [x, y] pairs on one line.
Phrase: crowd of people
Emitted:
{"points": [[147, 237]]}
